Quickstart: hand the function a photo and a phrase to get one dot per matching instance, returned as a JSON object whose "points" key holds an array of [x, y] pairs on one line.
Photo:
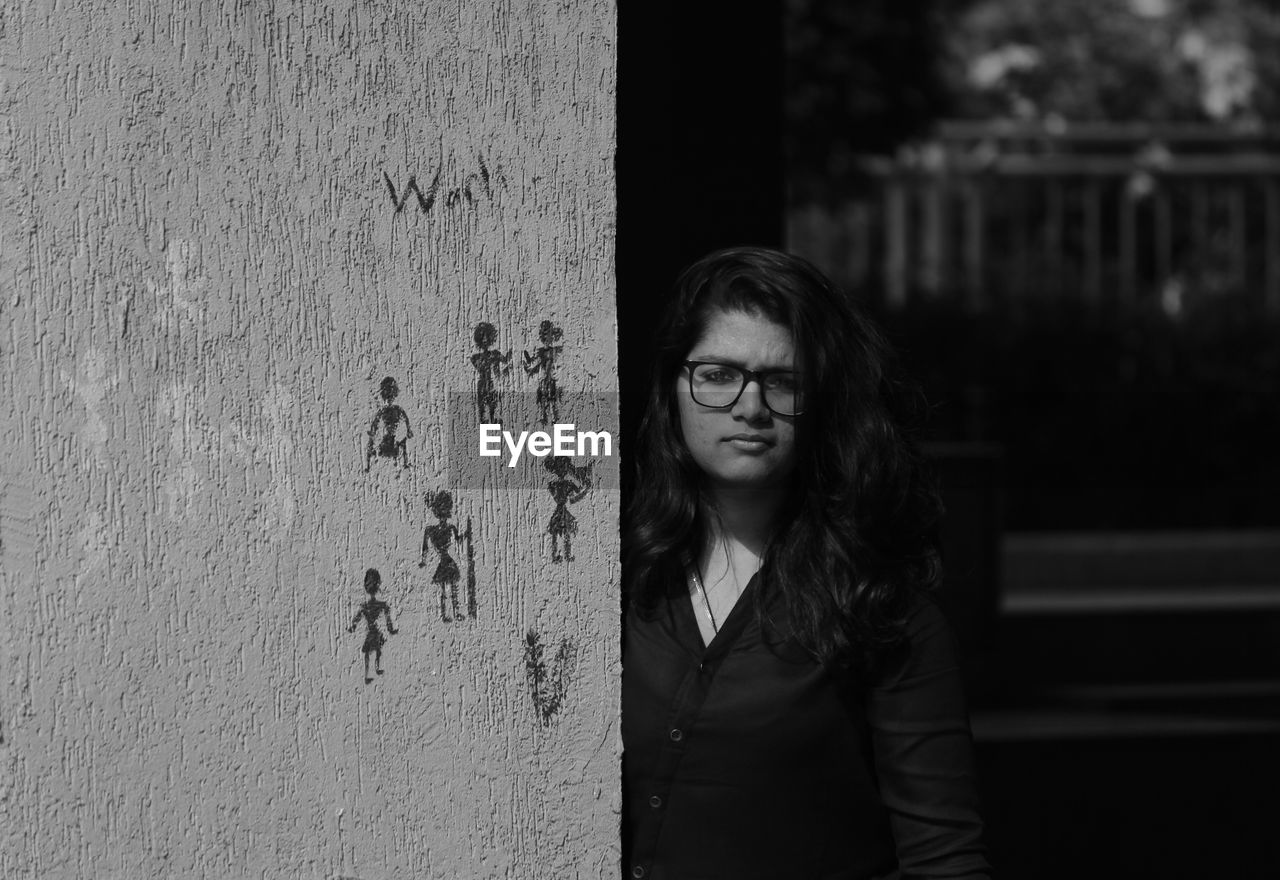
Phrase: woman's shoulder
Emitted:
{"points": [[927, 646], [925, 619]]}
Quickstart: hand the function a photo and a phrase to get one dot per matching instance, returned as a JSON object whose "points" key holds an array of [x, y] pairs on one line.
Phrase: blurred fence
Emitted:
{"points": [[999, 214]]}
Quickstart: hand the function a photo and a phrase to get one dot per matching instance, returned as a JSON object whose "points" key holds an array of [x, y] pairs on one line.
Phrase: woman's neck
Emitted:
{"points": [[746, 517]]}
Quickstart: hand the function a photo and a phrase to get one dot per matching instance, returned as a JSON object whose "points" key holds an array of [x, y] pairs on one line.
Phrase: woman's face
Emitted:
{"points": [[745, 445]]}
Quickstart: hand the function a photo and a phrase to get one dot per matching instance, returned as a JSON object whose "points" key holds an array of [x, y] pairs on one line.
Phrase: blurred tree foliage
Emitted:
{"points": [[1115, 60], [867, 77], [1128, 418], [861, 78]]}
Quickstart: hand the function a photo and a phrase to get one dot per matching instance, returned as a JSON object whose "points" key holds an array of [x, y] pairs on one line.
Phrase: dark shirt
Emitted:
{"points": [[746, 759]]}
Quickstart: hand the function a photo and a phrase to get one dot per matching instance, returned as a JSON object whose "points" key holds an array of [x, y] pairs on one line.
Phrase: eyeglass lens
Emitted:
{"points": [[719, 385]]}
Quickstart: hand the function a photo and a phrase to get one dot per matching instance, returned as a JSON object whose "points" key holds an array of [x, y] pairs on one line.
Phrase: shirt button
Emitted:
{"points": [[655, 801], [637, 871], [676, 735]]}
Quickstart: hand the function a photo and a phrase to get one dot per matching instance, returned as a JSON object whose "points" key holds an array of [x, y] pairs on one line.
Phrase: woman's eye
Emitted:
{"points": [[719, 376], [782, 382]]}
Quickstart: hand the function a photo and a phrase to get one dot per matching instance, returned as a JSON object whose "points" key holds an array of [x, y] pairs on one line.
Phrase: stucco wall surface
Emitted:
{"points": [[224, 225]]}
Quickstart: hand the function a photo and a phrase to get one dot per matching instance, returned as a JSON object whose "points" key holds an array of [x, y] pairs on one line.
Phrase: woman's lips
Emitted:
{"points": [[748, 442]]}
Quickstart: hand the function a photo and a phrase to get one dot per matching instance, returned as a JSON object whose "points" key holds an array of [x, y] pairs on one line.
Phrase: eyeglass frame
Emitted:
{"points": [[748, 376]]}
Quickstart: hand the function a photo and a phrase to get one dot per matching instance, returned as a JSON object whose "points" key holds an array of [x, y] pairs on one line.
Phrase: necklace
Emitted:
{"points": [[706, 602]]}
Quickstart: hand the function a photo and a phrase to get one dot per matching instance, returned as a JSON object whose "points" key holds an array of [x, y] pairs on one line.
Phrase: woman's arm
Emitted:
{"points": [[924, 755]]}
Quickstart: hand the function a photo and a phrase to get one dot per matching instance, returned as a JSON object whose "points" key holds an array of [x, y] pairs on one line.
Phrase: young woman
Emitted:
{"points": [[791, 705]]}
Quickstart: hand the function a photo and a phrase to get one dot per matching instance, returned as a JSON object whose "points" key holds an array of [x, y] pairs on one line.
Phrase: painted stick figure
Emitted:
{"points": [[447, 575], [488, 363], [389, 431], [569, 487], [544, 359], [370, 611]]}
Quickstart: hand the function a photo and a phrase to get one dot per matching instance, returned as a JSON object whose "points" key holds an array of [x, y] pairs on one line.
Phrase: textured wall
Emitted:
{"points": [[212, 256]]}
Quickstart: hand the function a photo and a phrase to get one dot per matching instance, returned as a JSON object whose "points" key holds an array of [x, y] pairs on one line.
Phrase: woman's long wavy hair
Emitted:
{"points": [[857, 541]]}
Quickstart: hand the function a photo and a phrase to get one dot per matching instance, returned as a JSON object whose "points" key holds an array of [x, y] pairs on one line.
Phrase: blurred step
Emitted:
{"points": [[1157, 607], [1240, 564], [1060, 725], [1139, 709], [1040, 651], [1171, 804], [1127, 599]]}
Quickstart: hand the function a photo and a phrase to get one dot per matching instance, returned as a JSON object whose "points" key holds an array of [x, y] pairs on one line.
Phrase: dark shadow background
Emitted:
{"points": [[700, 155]]}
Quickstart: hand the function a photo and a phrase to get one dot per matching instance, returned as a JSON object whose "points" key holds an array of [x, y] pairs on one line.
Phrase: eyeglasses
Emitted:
{"points": [[720, 385]]}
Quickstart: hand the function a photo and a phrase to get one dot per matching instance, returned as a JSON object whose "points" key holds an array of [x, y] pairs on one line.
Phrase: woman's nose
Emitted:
{"points": [[750, 404]]}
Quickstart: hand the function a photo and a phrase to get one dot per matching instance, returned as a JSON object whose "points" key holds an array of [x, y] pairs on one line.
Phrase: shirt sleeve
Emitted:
{"points": [[923, 753]]}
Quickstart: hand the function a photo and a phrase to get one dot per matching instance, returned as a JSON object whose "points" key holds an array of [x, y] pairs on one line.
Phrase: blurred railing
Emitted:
{"points": [[1000, 214]]}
